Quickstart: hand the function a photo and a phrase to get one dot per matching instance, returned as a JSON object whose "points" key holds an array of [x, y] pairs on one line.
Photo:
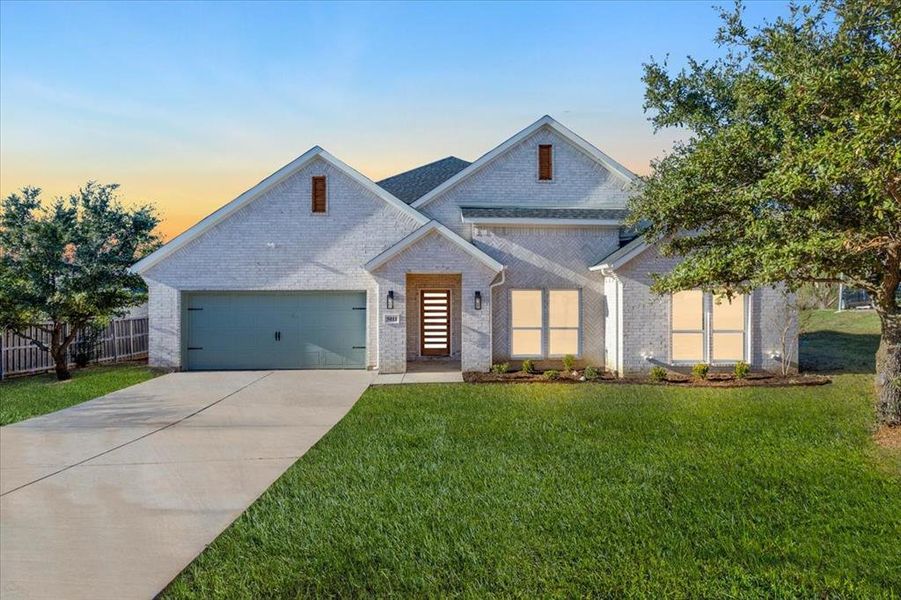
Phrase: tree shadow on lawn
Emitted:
{"points": [[827, 351]]}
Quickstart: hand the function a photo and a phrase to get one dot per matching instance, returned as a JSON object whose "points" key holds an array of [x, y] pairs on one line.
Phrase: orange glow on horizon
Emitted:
{"points": [[182, 196]]}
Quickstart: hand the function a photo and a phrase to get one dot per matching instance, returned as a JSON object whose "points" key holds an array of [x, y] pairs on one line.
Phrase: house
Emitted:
{"points": [[520, 254]]}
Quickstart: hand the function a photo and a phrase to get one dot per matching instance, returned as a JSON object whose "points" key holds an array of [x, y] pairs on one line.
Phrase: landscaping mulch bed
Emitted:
{"points": [[722, 380]]}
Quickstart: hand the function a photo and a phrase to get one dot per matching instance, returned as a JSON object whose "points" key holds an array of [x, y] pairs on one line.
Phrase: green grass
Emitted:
{"points": [[840, 342], [562, 490], [25, 397]]}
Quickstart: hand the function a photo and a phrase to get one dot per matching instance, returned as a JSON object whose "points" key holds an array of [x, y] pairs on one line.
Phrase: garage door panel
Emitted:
{"points": [[304, 330]]}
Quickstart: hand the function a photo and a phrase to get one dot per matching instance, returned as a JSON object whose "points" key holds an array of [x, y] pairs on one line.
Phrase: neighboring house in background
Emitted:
{"points": [[520, 254]]}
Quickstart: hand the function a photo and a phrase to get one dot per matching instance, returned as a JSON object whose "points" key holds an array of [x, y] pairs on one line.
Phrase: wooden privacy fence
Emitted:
{"points": [[122, 339]]}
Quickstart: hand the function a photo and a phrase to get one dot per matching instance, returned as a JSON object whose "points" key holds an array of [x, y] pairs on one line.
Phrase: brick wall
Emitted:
{"points": [[164, 335], [541, 257], [646, 318], [275, 243], [435, 254], [512, 179], [550, 258]]}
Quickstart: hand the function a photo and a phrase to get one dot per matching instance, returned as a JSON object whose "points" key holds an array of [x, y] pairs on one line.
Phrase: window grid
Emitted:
{"points": [[577, 328], [709, 332], [716, 358], [688, 331], [518, 296], [543, 326]]}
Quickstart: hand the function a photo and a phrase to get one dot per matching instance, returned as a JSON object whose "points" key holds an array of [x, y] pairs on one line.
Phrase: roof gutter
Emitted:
{"points": [[540, 221]]}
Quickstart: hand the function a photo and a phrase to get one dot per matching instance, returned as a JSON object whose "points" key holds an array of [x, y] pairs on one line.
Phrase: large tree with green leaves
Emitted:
{"points": [[64, 267], [791, 169]]}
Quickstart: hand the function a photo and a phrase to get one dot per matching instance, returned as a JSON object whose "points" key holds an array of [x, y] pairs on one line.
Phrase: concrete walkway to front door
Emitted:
{"points": [[425, 371], [114, 497]]}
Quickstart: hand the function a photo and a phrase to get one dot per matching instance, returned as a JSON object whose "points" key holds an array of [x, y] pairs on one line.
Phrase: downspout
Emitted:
{"points": [[491, 317], [616, 323]]}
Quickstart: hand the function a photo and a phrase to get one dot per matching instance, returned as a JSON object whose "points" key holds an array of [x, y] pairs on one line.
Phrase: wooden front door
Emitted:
{"points": [[434, 322]]}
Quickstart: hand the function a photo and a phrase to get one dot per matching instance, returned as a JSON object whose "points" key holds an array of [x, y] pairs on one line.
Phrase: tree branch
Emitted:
{"points": [[71, 336], [33, 340]]}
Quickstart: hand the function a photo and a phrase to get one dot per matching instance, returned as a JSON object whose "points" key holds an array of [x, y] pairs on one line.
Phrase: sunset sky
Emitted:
{"points": [[187, 105]]}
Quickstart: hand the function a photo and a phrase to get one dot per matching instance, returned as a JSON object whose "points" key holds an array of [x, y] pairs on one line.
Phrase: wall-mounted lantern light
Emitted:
{"points": [[390, 299], [478, 301]]}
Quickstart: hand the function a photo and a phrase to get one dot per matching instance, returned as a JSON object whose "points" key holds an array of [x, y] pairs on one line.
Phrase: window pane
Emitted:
{"points": [[563, 308], [563, 341], [688, 310], [688, 346], [526, 308], [526, 342], [728, 347], [728, 315]]}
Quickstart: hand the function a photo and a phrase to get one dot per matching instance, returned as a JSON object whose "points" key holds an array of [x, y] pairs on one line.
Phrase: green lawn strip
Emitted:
{"points": [[575, 490], [25, 397], [839, 341]]}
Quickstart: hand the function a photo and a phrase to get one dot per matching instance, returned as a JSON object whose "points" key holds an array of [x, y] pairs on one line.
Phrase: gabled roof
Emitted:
{"points": [[620, 257], [545, 121], [258, 190], [438, 228], [411, 185], [499, 215]]}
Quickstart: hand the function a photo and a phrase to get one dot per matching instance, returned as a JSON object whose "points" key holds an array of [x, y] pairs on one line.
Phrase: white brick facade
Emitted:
{"points": [[550, 258], [647, 316], [435, 254], [275, 243], [512, 180]]}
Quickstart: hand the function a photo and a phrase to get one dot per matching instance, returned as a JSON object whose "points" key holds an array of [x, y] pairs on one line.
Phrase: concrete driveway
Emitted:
{"points": [[113, 497]]}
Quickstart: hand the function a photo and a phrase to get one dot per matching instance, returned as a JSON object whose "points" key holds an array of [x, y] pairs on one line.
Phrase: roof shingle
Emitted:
{"points": [[411, 185]]}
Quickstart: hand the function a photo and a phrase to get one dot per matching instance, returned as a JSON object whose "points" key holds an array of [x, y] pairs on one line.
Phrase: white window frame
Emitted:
{"points": [[744, 332], [702, 331], [707, 332], [540, 329], [578, 328], [545, 328]]}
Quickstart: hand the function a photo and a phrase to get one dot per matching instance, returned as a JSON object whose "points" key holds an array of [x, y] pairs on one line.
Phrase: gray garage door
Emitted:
{"points": [[254, 330]]}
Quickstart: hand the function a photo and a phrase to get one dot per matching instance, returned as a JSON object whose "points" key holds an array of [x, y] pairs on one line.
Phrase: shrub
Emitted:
{"points": [[657, 374], [551, 375], [527, 366], [741, 369], [591, 373], [87, 348], [700, 370], [569, 361], [500, 367]]}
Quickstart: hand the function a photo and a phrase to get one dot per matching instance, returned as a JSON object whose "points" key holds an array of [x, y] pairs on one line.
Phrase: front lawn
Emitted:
{"points": [[562, 490], [25, 397], [844, 342]]}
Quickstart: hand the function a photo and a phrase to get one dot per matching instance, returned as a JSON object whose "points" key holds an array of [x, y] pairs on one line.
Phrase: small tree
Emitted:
{"points": [[820, 295], [67, 264], [790, 322], [792, 171]]}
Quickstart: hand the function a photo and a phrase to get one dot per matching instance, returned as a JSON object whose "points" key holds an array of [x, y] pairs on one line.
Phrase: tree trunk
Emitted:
{"points": [[59, 351], [888, 369], [62, 367]]}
